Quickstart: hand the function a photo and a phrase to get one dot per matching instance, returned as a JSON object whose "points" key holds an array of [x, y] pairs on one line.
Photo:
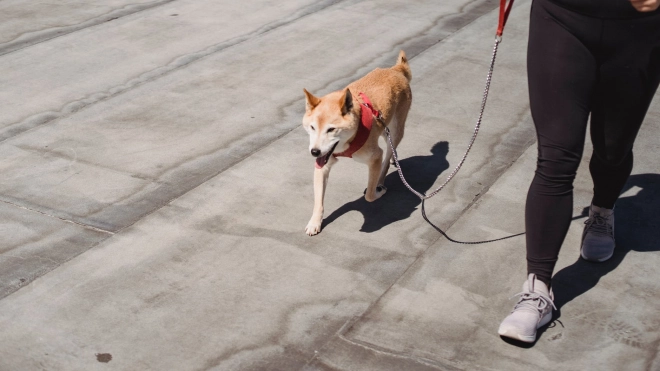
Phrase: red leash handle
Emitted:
{"points": [[505, 9]]}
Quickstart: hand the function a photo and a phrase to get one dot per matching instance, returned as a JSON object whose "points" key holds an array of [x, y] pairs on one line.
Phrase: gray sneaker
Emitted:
{"points": [[598, 235], [533, 311]]}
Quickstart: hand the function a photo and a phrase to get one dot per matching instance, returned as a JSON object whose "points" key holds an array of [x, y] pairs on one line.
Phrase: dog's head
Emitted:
{"points": [[331, 121]]}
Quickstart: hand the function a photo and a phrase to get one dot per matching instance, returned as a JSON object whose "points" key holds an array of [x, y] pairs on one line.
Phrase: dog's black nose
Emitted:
{"points": [[316, 152]]}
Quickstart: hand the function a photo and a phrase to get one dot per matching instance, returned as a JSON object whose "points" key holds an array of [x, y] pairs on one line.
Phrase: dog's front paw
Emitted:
{"points": [[312, 228]]}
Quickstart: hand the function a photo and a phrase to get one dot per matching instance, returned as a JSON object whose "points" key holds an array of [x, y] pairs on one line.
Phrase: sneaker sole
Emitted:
{"points": [[516, 336], [595, 260], [510, 333]]}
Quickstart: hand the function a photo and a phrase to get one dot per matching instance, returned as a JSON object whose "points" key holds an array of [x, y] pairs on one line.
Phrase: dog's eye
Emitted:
{"points": [[330, 130], [311, 127]]}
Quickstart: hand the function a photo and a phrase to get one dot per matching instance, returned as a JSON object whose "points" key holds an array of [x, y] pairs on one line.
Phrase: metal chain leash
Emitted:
{"points": [[505, 9], [423, 197]]}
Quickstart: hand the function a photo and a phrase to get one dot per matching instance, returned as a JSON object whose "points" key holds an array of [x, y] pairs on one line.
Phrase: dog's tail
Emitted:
{"points": [[402, 65]]}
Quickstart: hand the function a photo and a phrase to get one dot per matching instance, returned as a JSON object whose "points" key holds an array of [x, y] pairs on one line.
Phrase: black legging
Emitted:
{"points": [[578, 65]]}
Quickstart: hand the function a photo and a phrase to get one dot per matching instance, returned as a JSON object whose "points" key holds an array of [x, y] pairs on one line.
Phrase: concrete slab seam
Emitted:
{"points": [[374, 348], [36, 37], [24, 258], [59, 218]]}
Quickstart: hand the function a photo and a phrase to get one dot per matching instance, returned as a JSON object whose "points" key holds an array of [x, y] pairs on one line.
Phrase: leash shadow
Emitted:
{"points": [[398, 203], [636, 229]]}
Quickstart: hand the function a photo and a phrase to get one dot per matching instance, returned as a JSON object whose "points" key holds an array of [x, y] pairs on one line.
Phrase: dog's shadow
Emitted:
{"points": [[636, 228], [398, 203]]}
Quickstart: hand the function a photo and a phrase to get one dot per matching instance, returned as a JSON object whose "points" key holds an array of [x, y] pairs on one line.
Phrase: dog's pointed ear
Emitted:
{"points": [[311, 100], [346, 102]]}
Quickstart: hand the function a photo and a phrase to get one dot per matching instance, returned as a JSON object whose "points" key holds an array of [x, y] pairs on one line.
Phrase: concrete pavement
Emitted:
{"points": [[155, 187]]}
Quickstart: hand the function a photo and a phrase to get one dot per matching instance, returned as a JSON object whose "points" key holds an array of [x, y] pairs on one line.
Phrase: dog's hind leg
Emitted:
{"points": [[375, 189], [396, 127], [400, 117], [385, 165]]}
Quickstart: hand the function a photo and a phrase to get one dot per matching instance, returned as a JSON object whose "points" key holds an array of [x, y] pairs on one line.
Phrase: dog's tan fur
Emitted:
{"points": [[389, 91]]}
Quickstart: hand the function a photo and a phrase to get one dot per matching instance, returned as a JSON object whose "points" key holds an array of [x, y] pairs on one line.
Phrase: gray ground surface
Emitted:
{"points": [[156, 183]]}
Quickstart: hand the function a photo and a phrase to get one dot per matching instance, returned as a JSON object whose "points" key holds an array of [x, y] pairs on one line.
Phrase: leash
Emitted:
{"points": [[505, 9]]}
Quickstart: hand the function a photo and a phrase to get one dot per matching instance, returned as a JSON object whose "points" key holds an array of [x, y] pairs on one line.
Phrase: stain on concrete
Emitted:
{"points": [[104, 357], [556, 337]]}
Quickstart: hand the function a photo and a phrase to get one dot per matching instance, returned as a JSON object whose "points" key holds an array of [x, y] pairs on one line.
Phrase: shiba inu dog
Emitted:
{"points": [[349, 122]]}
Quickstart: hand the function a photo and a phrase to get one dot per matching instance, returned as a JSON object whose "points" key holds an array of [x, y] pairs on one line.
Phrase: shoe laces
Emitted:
{"points": [[532, 301], [599, 224]]}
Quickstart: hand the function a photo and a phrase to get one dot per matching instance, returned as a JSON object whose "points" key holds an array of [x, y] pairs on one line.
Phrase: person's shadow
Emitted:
{"points": [[636, 228], [398, 203]]}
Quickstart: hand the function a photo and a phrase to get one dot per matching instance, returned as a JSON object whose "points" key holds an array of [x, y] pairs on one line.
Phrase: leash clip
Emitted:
{"points": [[374, 112], [379, 117]]}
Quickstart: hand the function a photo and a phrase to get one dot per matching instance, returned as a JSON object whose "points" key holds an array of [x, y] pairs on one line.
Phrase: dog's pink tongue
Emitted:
{"points": [[321, 161]]}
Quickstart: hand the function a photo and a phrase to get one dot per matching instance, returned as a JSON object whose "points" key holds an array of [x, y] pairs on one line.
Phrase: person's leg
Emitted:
{"points": [[629, 72], [562, 74], [629, 77]]}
